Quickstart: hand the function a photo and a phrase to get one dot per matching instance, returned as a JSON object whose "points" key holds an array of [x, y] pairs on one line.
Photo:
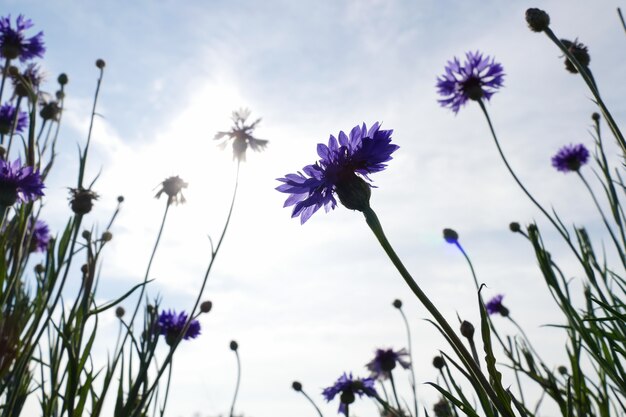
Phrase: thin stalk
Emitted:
{"points": [[312, 403], [232, 407], [393, 389], [457, 344], [167, 388], [81, 174], [408, 335], [5, 71]]}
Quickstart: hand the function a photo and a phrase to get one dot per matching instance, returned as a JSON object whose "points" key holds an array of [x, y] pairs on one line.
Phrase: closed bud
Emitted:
{"points": [[467, 329], [120, 199], [86, 234], [234, 345], [100, 63], [438, 362], [562, 370], [397, 303], [107, 236], [595, 117], [296, 386], [514, 227], [450, 235], [62, 79], [40, 269], [119, 312], [537, 19], [206, 306]]}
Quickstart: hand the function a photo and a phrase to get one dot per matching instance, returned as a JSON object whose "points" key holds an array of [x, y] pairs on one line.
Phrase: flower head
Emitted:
{"points": [[81, 200], [173, 188], [570, 158], [7, 118], [477, 78], [347, 387], [344, 165], [18, 182], [385, 361], [14, 44], [40, 237], [580, 52], [241, 135], [495, 305], [537, 19], [27, 83], [171, 325]]}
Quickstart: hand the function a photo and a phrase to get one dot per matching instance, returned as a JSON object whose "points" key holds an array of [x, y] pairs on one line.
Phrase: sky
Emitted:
{"points": [[308, 302]]}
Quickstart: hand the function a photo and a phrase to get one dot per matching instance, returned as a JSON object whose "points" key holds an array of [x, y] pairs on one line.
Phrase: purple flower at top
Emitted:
{"points": [[477, 78], [385, 361], [40, 237], [570, 158], [495, 305], [13, 42], [7, 116], [18, 182], [363, 152], [171, 325], [346, 386]]}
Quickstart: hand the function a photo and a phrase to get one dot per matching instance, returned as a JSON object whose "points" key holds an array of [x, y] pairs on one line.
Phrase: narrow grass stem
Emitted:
{"points": [[457, 344], [393, 389], [410, 344], [232, 407], [312, 403]]}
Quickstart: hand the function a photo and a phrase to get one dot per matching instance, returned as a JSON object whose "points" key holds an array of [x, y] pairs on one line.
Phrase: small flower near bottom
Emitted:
{"points": [[18, 183], [173, 188], [171, 325], [347, 387], [477, 78], [495, 305], [343, 169], [7, 118], [385, 361], [40, 237], [570, 158]]}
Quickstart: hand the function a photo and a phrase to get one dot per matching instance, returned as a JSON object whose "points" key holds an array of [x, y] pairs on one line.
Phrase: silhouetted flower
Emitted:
{"points": [[347, 387], [7, 117], [580, 52], [442, 408], [241, 135], [495, 305], [171, 325], [81, 200], [363, 152], [18, 182], [570, 158], [172, 187], [477, 78], [385, 361], [13, 42], [537, 19], [28, 81], [40, 237]]}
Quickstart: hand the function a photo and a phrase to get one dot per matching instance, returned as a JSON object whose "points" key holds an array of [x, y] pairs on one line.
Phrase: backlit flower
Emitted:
{"points": [[495, 305], [385, 361], [580, 52], [171, 325], [173, 188], [344, 165], [477, 78], [13, 42], [18, 183], [81, 200], [241, 135], [40, 237], [570, 158], [7, 118], [347, 387]]}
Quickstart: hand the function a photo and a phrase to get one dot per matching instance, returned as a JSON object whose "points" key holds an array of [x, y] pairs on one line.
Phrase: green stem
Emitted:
{"points": [[408, 335], [457, 344], [393, 389], [232, 407], [312, 403]]}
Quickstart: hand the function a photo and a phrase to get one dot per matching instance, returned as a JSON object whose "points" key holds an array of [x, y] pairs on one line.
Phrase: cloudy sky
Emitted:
{"points": [[309, 302]]}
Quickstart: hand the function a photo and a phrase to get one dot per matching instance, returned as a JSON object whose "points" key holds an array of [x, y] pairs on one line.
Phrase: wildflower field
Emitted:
{"points": [[358, 208]]}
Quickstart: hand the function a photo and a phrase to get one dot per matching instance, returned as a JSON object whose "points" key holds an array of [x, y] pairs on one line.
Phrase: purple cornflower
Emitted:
{"points": [[13, 43], [40, 237], [363, 152], [477, 78], [570, 158], [385, 361], [7, 116], [495, 305], [171, 325], [347, 387], [241, 135], [18, 182]]}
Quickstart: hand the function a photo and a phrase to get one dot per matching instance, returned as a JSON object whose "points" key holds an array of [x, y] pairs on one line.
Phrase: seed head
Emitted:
{"points": [[206, 306], [537, 19]]}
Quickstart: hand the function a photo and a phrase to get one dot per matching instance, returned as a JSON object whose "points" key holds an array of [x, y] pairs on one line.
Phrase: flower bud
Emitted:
{"points": [[397, 303], [595, 117], [62, 79], [296, 386], [537, 19], [100, 63], [119, 312], [450, 235], [562, 370], [467, 329], [107, 236], [438, 362], [515, 227], [234, 345], [120, 199], [40, 269], [86, 234], [206, 306]]}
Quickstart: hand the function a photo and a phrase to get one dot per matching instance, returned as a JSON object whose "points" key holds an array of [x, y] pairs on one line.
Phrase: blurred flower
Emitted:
{"points": [[81, 200], [479, 77], [50, 111], [385, 361], [40, 237], [171, 325], [363, 152], [13, 42], [18, 182], [570, 158], [241, 135], [347, 387], [537, 19], [580, 52], [495, 305], [442, 408], [7, 116], [172, 187], [28, 81]]}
